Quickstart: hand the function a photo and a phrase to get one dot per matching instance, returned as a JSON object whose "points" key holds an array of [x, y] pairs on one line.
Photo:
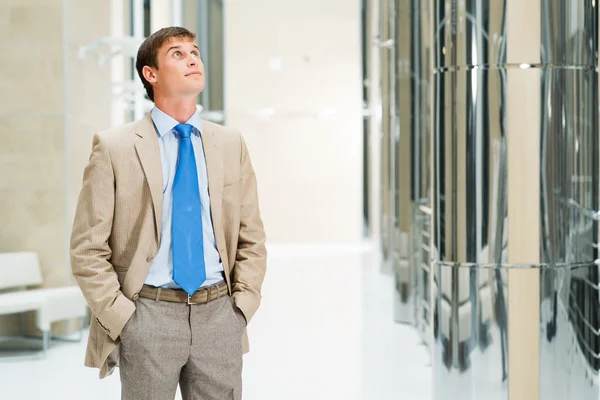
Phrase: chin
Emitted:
{"points": [[194, 90]]}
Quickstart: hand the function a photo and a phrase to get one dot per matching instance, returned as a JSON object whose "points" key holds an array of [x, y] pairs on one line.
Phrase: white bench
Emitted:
{"points": [[18, 271]]}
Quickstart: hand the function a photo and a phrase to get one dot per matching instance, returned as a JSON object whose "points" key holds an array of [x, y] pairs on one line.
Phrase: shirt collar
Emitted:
{"points": [[165, 123]]}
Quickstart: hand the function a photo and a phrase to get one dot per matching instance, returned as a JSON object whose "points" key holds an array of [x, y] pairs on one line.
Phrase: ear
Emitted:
{"points": [[149, 73]]}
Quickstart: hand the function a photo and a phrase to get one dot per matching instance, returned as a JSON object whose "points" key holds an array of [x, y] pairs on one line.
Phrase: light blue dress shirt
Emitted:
{"points": [[161, 269]]}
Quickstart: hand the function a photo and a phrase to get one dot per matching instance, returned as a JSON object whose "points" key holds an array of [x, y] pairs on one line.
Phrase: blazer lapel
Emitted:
{"points": [[148, 151], [214, 170]]}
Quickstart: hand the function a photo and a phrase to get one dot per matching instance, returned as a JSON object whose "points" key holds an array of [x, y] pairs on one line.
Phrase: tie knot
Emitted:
{"points": [[184, 130]]}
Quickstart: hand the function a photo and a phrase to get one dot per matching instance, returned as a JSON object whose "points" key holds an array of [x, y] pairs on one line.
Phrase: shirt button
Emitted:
{"points": [[150, 258]]}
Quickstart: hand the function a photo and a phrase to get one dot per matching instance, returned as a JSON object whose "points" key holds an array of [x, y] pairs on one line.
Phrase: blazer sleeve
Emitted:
{"points": [[90, 251], [251, 257]]}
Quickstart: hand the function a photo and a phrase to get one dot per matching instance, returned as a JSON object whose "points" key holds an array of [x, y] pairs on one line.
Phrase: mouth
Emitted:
{"points": [[194, 73]]}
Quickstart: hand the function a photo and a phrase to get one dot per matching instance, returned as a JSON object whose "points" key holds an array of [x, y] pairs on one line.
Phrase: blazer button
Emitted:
{"points": [[135, 297], [150, 258]]}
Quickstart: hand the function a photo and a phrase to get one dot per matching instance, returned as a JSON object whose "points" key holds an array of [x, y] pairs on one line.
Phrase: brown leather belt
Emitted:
{"points": [[203, 295]]}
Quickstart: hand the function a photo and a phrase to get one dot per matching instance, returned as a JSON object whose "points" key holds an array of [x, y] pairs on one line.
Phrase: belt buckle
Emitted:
{"points": [[189, 302]]}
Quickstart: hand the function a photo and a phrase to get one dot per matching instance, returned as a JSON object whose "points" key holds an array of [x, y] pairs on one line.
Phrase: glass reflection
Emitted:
{"points": [[570, 326], [470, 203]]}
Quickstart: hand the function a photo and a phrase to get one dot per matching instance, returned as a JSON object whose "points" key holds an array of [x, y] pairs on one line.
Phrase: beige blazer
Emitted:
{"points": [[116, 231]]}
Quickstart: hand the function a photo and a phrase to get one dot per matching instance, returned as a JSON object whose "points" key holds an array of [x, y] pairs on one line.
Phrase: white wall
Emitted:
{"points": [[293, 87]]}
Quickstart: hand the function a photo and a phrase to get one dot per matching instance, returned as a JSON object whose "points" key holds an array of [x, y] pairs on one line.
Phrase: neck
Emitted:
{"points": [[180, 109]]}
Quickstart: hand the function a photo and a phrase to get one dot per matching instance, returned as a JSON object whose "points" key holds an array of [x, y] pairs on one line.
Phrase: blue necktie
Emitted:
{"points": [[189, 271]]}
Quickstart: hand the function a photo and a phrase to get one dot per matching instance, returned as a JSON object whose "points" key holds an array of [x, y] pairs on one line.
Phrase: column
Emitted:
{"points": [[515, 207], [421, 164], [404, 299], [388, 126]]}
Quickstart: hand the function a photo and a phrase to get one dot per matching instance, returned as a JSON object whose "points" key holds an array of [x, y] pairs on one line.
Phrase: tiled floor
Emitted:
{"points": [[324, 331]]}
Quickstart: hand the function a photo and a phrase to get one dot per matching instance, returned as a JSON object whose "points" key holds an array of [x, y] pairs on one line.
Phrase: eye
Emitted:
{"points": [[177, 54], [195, 53]]}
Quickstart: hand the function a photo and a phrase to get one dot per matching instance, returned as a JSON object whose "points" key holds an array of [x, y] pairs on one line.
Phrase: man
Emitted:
{"points": [[168, 245]]}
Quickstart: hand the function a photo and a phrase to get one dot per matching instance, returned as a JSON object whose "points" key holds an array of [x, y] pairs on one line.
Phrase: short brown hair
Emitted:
{"points": [[148, 51]]}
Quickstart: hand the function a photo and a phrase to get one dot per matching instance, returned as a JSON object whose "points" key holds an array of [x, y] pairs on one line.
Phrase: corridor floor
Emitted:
{"points": [[324, 331]]}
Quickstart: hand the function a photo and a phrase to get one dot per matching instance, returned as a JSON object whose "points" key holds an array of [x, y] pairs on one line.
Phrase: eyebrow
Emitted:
{"points": [[179, 47]]}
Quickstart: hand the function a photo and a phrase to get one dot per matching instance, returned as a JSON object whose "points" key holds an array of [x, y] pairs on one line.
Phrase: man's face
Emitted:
{"points": [[180, 71]]}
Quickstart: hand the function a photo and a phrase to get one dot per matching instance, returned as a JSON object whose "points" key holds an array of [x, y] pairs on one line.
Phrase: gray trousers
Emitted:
{"points": [[197, 346]]}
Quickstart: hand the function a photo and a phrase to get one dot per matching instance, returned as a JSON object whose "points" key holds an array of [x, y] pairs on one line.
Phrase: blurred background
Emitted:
{"points": [[292, 77], [427, 175]]}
